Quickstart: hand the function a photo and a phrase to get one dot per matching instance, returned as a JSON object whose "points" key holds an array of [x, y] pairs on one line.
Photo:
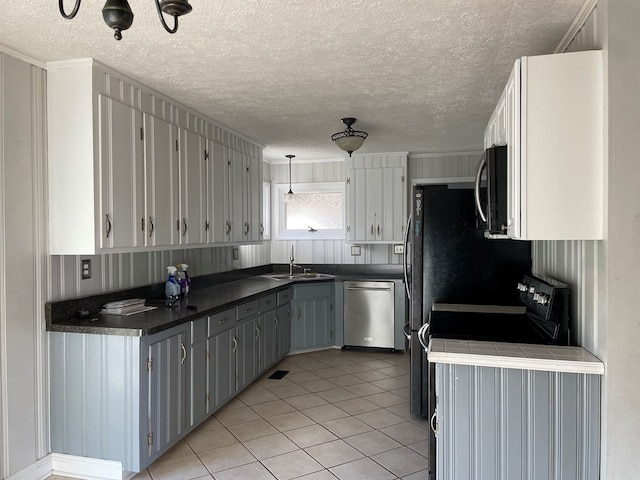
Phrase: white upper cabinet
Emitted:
{"points": [[236, 208], [130, 169], [162, 173], [376, 198], [193, 189], [121, 161], [550, 116]]}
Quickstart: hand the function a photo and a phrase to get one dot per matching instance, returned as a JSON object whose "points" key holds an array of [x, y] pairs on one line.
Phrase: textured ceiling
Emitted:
{"points": [[420, 75]]}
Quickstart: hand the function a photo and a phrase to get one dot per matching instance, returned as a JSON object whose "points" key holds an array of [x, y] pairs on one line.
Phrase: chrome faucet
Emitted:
{"points": [[291, 263]]}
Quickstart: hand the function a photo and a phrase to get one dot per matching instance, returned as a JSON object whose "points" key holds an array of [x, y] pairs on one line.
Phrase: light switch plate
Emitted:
{"points": [[398, 249], [355, 250]]}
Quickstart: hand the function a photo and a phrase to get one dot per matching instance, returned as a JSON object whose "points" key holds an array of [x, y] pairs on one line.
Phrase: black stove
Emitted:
{"points": [[543, 318]]}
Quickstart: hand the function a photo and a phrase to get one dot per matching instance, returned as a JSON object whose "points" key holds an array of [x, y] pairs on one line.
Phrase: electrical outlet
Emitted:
{"points": [[398, 249], [86, 269], [236, 253], [355, 250]]}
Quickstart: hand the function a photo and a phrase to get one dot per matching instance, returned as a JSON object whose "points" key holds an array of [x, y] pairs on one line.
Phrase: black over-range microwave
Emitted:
{"points": [[491, 197]]}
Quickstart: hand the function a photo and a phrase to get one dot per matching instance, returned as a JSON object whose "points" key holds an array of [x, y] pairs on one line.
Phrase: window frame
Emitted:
{"points": [[280, 232]]}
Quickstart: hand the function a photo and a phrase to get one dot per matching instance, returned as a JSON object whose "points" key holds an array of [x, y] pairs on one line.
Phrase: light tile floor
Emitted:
{"points": [[336, 414]]}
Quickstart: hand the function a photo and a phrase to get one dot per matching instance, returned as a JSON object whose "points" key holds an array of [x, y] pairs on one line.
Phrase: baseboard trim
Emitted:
{"points": [[40, 470], [72, 466], [85, 468]]}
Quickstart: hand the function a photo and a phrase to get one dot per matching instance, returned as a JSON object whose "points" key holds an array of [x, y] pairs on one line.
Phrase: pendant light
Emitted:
{"points": [[289, 196], [349, 140], [117, 14]]}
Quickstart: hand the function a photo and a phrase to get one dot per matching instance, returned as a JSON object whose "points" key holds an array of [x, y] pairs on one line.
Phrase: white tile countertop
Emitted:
{"points": [[550, 358]]}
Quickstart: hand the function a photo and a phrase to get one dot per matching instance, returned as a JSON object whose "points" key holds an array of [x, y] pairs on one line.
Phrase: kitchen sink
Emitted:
{"points": [[298, 276]]}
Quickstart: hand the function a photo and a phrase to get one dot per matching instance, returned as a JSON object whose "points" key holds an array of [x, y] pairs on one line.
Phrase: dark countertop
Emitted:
{"points": [[207, 301], [207, 297]]}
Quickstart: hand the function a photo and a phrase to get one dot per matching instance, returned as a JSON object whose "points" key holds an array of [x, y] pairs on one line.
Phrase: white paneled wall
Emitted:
{"points": [[24, 420], [339, 251], [443, 166]]}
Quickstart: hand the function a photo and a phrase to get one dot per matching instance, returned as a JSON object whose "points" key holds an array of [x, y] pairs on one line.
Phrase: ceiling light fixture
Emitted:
{"points": [[117, 14], [289, 196], [349, 140]]}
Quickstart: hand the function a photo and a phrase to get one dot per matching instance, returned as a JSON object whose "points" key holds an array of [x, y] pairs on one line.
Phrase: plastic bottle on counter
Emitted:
{"points": [[171, 288], [184, 280]]}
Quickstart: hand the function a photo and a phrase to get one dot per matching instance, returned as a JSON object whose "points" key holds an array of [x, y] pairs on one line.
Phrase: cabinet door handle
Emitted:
{"points": [[108, 225], [257, 332], [235, 344], [261, 229], [435, 427], [299, 312], [378, 230], [275, 325], [142, 224], [372, 229], [246, 228], [184, 223], [178, 225], [151, 226], [222, 321], [228, 227], [184, 353]]}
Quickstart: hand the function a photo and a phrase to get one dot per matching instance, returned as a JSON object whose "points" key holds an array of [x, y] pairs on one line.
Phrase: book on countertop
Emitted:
{"points": [[124, 303], [126, 307], [127, 310]]}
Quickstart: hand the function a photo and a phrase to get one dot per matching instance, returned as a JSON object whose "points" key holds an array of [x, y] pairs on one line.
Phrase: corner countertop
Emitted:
{"points": [[207, 301], [549, 358]]}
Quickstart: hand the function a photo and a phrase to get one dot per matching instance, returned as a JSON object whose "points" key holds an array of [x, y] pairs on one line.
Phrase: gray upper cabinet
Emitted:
{"points": [[129, 168]]}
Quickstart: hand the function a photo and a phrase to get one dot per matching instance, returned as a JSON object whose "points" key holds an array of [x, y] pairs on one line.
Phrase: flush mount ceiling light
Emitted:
{"points": [[349, 140], [118, 15], [289, 196]]}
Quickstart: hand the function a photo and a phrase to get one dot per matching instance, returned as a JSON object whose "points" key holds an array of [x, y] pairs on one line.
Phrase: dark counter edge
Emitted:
{"points": [[64, 315]]}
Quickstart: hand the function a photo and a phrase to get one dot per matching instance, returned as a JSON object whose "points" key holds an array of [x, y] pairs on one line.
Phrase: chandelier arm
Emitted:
{"points": [[164, 24], [73, 13]]}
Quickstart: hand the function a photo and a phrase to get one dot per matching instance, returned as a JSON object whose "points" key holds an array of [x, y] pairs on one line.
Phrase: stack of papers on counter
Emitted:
{"points": [[126, 307]]}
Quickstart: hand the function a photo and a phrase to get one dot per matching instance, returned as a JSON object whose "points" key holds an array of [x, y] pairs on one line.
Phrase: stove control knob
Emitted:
{"points": [[532, 290], [536, 297], [522, 287], [543, 299]]}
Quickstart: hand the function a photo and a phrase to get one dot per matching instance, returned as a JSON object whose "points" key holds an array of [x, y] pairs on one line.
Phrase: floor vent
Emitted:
{"points": [[278, 374]]}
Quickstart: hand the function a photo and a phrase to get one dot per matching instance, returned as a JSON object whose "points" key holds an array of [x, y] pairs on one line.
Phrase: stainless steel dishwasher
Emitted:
{"points": [[368, 314]]}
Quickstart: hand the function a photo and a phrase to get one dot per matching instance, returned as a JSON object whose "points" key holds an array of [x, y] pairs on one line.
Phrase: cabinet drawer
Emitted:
{"points": [[198, 330], [268, 302], [221, 321], [284, 296], [248, 309]]}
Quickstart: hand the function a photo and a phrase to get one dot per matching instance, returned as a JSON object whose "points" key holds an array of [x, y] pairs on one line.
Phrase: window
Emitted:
{"points": [[317, 211]]}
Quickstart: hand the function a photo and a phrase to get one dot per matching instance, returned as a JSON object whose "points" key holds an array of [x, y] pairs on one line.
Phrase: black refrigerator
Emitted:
{"points": [[449, 260]]}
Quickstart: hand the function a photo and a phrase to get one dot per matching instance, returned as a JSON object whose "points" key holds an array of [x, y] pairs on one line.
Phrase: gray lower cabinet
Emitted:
{"points": [[312, 316], [510, 424], [167, 370], [119, 398], [283, 324], [266, 325], [129, 399]]}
